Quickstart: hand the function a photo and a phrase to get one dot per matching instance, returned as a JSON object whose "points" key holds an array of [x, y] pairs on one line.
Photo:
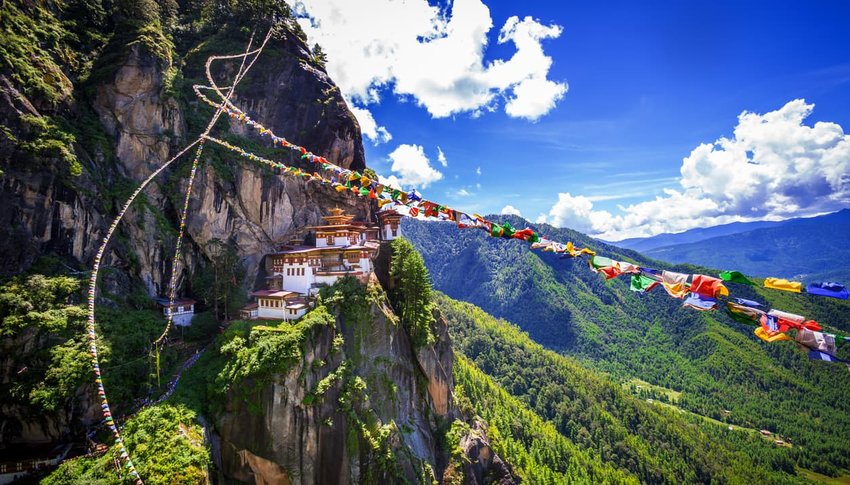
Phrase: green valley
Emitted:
{"points": [[720, 368]]}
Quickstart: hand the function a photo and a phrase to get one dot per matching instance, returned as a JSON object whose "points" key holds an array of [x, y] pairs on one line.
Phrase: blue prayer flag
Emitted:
{"points": [[830, 289], [749, 303], [699, 302]]}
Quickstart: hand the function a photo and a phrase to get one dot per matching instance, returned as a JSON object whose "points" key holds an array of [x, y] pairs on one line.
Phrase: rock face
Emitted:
{"points": [[296, 437], [318, 442], [49, 212], [128, 126]]}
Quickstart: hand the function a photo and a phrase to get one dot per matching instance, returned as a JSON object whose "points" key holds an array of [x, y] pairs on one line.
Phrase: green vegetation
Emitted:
{"points": [[166, 444], [256, 353], [46, 140], [653, 443], [32, 48], [410, 291], [219, 283], [538, 453], [716, 364], [49, 372], [129, 369]]}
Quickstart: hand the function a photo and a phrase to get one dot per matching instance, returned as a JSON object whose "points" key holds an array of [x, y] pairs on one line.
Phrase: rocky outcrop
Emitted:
{"points": [[19, 360], [482, 465], [317, 441]]}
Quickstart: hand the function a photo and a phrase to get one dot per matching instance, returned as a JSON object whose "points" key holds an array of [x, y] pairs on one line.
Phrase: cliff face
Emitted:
{"points": [[50, 211], [125, 121], [388, 428]]}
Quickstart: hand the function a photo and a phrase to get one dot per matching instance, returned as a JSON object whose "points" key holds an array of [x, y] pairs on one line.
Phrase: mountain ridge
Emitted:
{"points": [[799, 248]]}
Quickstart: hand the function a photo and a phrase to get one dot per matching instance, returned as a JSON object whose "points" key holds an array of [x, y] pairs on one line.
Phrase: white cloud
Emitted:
{"points": [[577, 212], [411, 168], [441, 157], [477, 170], [434, 56], [510, 210], [461, 193], [369, 127], [774, 167], [541, 219]]}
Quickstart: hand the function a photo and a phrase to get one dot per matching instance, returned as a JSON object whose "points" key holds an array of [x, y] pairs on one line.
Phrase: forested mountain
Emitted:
{"points": [[508, 378], [719, 368], [811, 248]]}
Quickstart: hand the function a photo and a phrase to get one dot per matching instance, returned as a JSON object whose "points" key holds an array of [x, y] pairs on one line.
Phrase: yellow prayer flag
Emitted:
{"points": [[783, 284], [764, 335]]}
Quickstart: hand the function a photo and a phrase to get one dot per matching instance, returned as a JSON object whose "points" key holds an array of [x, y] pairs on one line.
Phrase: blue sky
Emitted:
{"points": [[622, 93]]}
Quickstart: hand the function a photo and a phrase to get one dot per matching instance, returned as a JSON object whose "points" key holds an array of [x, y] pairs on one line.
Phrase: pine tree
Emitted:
{"points": [[411, 291]]}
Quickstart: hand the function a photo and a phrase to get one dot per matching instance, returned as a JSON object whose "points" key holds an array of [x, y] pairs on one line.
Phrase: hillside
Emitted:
{"points": [[801, 248], [715, 363], [506, 375]]}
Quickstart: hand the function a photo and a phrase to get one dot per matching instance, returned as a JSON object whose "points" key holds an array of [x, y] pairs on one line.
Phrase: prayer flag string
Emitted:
{"points": [[700, 292]]}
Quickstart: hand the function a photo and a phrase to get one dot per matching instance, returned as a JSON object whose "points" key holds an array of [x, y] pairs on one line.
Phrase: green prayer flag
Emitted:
{"points": [[534, 238], [742, 318], [601, 262], [508, 231], [641, 282], [735, 277]]}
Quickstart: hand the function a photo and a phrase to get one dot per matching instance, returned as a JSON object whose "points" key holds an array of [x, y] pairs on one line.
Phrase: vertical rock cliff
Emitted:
{"points": [[142, 118], [364, 405]]}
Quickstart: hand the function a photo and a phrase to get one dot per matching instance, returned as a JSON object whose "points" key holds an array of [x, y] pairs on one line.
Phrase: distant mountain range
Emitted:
{"points": [[808, 248], [644, 244]]}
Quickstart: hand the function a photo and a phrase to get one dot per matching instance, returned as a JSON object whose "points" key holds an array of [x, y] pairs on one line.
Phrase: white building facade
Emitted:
{"points": [[182, 311]]}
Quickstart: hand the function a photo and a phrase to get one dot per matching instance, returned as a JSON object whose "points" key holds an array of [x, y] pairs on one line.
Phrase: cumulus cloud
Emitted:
{"points": [[510, 210], [441, 157], [576, 212], [411, 168], [434, 56], [773, 167], [369, 127], [477, 170]]}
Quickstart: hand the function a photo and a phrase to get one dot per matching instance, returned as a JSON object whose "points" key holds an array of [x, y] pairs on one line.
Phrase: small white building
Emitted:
{"points": [[250, 312], [390, 224], [182, 311], [280, 305]]}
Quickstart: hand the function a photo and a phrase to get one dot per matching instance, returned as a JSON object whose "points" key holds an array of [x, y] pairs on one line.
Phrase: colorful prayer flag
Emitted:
{"points": [[783, 284], [770, 337], [830, 289], [708, 286], [674, 283], [700, 302], [743, 314], [735, 277], [642, 283], [749, 303]]}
